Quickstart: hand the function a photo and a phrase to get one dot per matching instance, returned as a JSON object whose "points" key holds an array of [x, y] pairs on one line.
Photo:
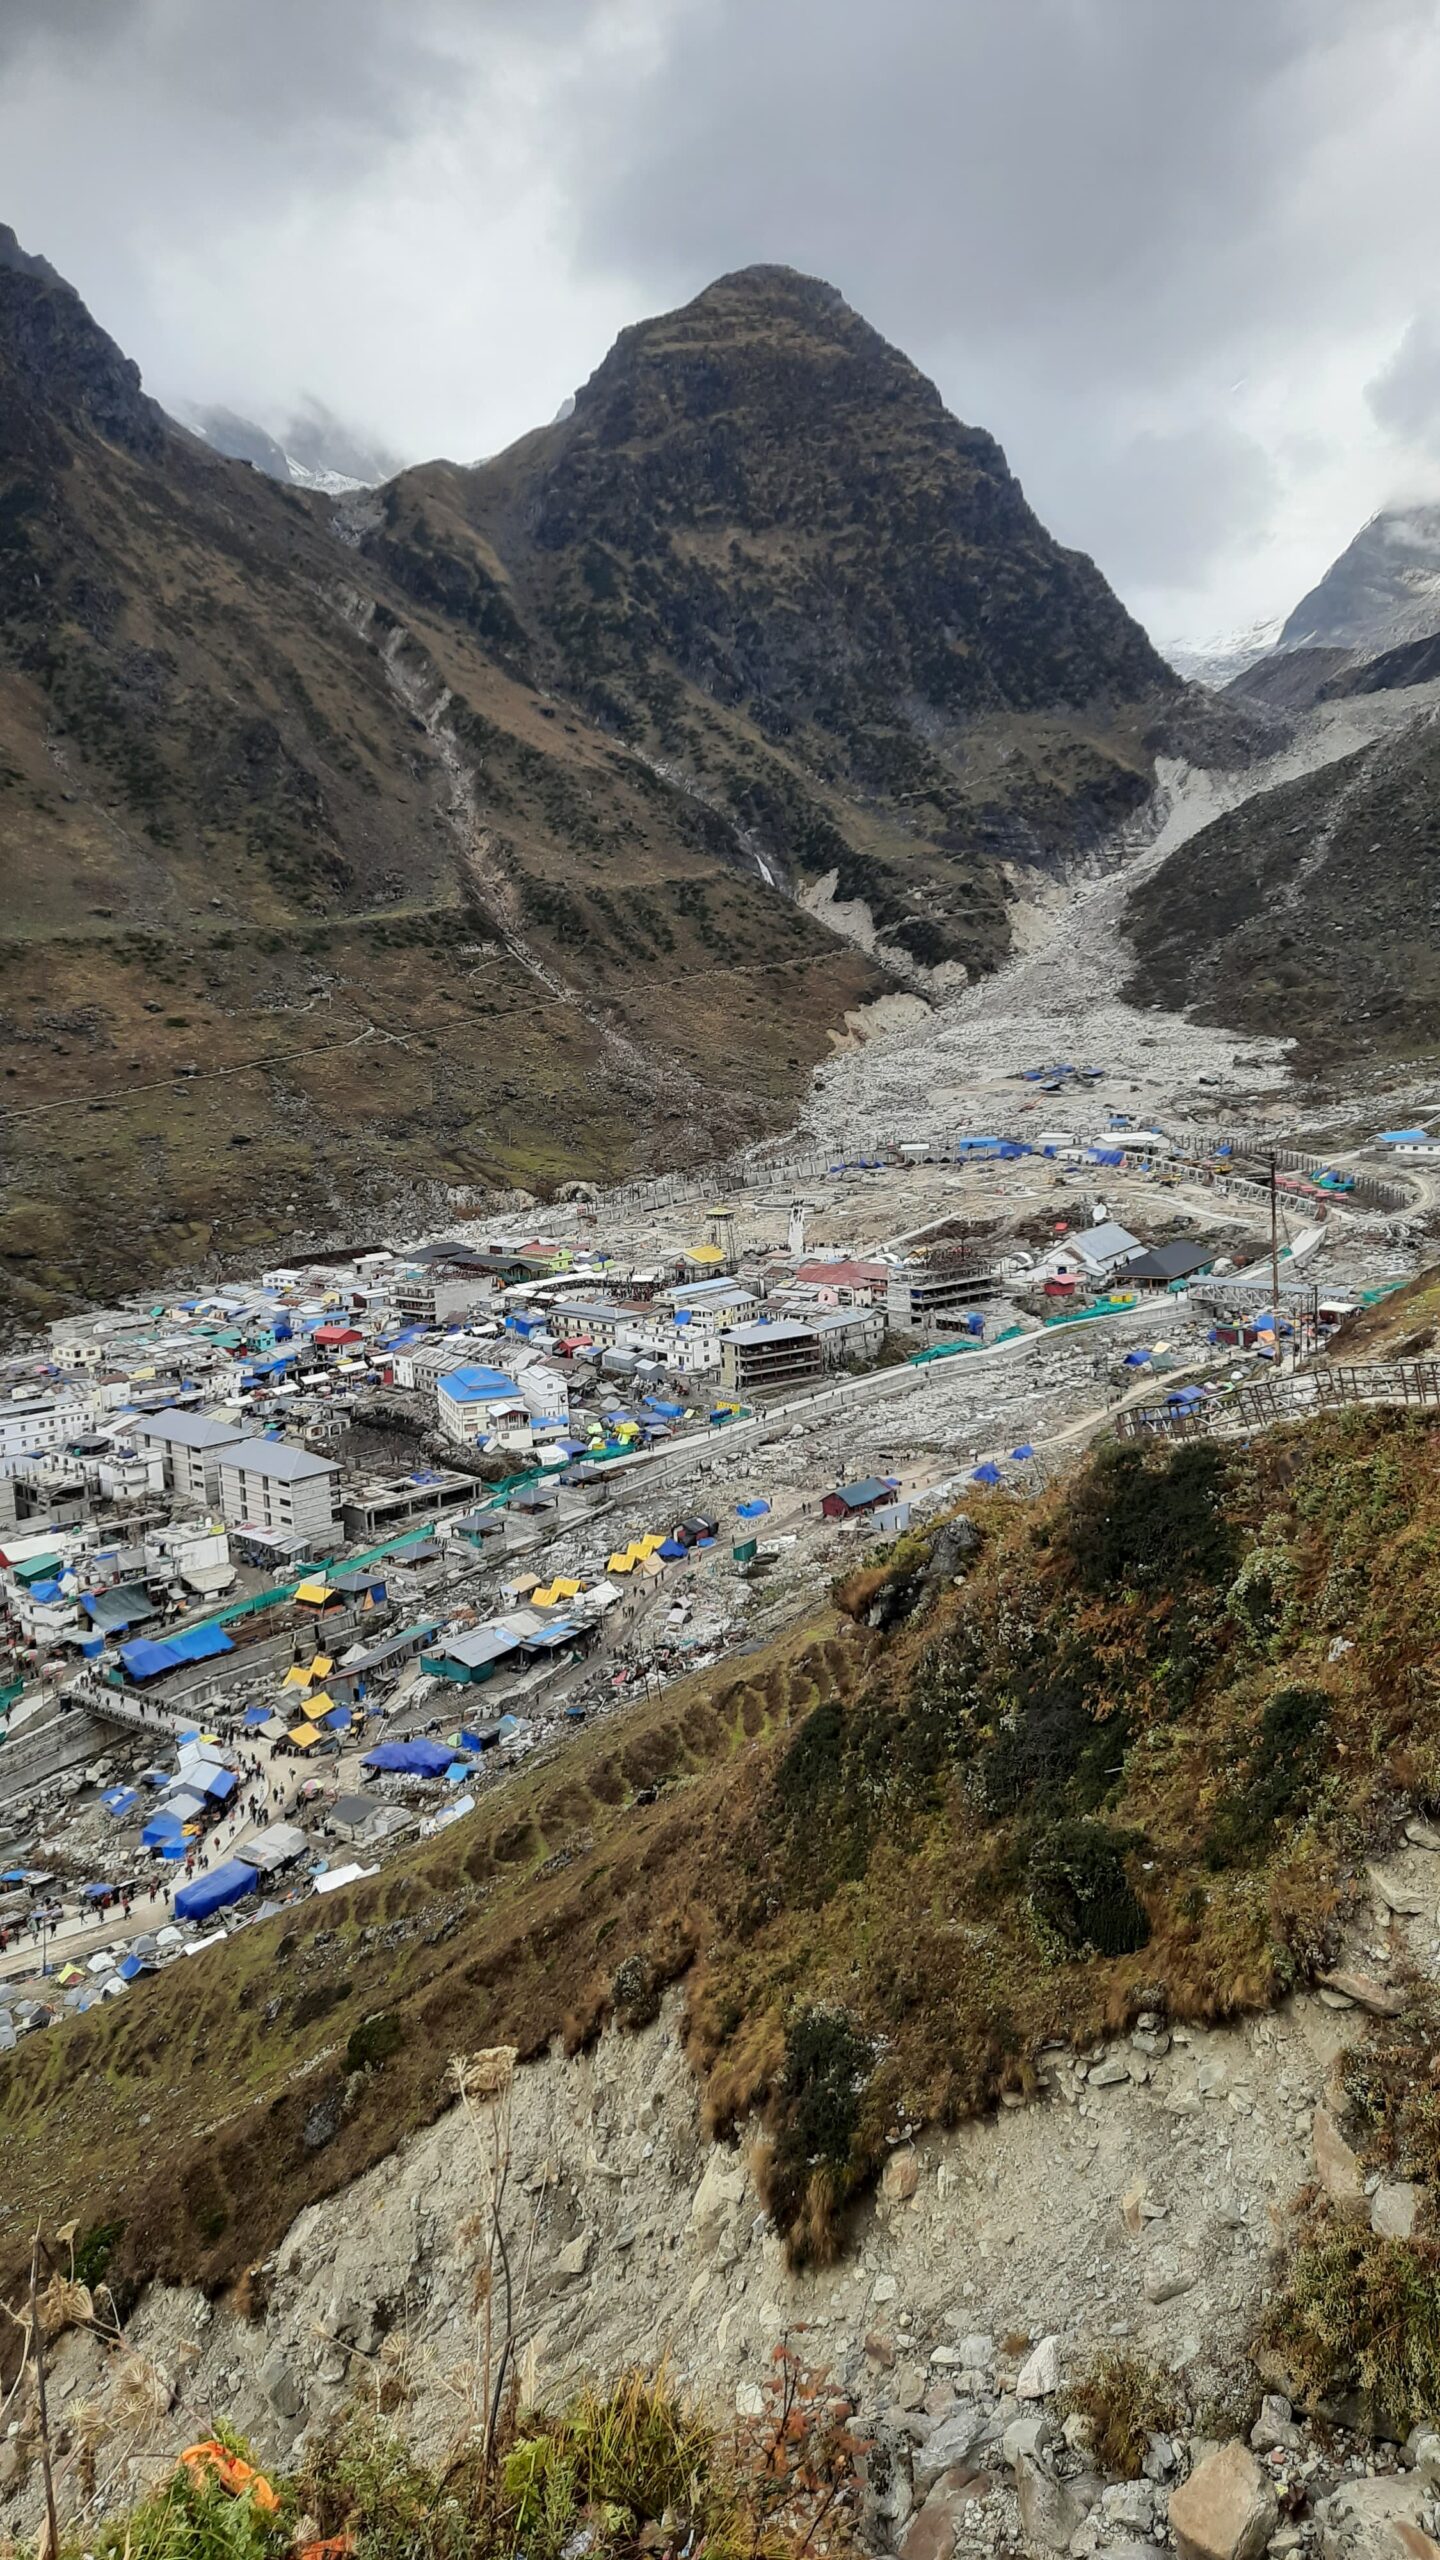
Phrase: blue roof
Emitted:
{"points": [[416, 1759], [199, 1644], [144, 1659], [213, 1892], [475, 1385], [1399, 1137], [118, 1800]]}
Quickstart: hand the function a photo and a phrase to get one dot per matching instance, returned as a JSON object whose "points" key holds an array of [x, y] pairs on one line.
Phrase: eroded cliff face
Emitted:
{"points": [[1138, 2198]]}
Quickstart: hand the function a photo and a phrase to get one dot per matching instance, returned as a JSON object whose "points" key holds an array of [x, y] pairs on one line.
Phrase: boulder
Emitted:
{"points": [[1366, 1992], [1422, 2452], [280, 2386], [948, 2444], [901, 2177], [1392, 1894], [934, 2530], [1378, 2520], [1039, 2375], [1395, 2209], [1336, 2165], [1166, 2283], [720, 2191], [1051, 2511], [1022, 2439], [1275, 2430], [1226, 2510]]}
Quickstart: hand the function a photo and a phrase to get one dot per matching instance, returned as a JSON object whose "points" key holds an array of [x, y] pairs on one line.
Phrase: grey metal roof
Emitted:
{"points": [[483, 1644], [279, 1459], [185, 1429]]}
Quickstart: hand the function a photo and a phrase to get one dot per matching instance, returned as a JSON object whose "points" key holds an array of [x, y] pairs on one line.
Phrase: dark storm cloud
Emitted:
{"points": [[1087, 218], [348, 72], [1158, 246], [1068, 169]]}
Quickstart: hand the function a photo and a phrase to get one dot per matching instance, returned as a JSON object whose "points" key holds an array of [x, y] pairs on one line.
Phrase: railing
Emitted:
{"points": [[1403, 1382]]}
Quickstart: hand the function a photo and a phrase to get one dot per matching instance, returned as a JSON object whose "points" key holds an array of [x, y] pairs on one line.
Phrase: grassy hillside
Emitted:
{"points": [[1114, 1768]]}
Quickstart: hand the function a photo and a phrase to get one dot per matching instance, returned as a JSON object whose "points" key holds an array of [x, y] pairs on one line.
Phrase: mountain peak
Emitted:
{"points": [[55, 358], [806, 530]]}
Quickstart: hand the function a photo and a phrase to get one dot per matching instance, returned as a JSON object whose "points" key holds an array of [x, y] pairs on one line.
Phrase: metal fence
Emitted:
{"points": [[1402, 1382]]}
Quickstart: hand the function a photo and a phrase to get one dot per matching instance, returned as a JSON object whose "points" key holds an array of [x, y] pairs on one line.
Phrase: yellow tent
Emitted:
{"points": [[620, 1562], [562, 1588], [318, 1706], [303, 1735], [314, 1591], [321, 1667], [299, 1676]]}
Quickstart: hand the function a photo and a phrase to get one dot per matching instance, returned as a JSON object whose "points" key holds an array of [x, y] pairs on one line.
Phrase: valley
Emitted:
{"points": [[719, 1477]]}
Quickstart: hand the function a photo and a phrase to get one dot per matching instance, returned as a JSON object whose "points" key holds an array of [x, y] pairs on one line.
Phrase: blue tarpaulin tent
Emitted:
{"points": [[751, 1510], [160, 1829], [1024, 1451], [988, 1473], [118, 1801], [337, 1721], [146, 1660], [256, 1716], [216, 1891], [416, 1759], [672, 1549], [222, 1784]]}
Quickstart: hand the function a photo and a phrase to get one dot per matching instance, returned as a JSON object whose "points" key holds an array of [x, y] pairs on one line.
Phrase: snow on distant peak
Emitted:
{"points": [[1218, 660]]}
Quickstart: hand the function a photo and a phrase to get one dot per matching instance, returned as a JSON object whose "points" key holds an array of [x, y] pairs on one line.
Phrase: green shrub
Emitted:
{"points": [[1079, 1887], [373, 2041], [1362, 2313], [1127, 2400], [1280, 1776], [814, 2163], [1152, 1517]]}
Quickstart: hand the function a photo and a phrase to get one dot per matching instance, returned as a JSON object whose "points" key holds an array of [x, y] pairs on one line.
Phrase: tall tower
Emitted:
{"points": [[795, 1239], [720, 1230]]}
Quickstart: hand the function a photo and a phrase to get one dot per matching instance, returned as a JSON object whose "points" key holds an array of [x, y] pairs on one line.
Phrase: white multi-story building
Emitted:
{"points": [[273, 1485], [38, 1422], [191, 1444]]}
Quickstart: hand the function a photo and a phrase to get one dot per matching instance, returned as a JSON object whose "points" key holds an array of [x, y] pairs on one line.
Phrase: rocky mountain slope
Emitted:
{"points": [[1383, 588], [446, 835], [1308, 910]]}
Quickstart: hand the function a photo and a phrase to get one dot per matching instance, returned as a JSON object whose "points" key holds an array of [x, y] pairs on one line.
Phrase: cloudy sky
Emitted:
{"points": [[1181, 256]]}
